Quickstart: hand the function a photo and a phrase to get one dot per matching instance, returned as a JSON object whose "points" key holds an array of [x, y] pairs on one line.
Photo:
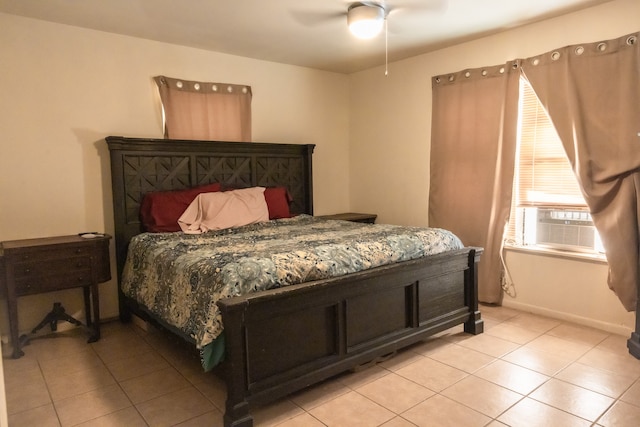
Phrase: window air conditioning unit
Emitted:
{"points": [[567, 229]]}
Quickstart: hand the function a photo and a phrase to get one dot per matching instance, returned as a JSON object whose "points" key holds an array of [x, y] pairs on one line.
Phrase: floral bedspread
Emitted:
{"points": [[179, 277]]}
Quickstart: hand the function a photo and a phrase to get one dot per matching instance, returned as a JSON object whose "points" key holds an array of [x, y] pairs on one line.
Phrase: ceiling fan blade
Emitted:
{"points": [[416, 6], [314, 18]]}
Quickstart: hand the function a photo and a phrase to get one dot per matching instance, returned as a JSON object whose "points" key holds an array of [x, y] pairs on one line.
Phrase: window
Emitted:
{"points": [[205, 110], [548, 209]]}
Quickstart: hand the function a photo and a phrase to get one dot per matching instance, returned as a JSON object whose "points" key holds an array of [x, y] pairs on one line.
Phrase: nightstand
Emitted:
{"points": [[352, 216], [34, 266]]}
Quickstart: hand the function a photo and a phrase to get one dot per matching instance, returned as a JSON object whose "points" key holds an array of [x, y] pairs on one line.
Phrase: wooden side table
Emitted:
{"points": [[34, 266], [352, 216]]}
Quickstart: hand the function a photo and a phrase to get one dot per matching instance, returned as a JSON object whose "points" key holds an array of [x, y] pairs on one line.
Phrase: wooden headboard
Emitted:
{"points": [[139, 166]]}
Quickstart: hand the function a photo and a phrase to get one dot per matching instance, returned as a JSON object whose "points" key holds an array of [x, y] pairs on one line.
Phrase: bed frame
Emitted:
{"points": [[282, 340]]}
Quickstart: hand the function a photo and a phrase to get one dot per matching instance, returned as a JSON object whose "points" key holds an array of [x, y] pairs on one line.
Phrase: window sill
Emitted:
{"points": [[557, 253]]}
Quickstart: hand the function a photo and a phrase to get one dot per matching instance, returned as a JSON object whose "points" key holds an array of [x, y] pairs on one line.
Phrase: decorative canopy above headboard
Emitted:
{"points": [[140, 166]]}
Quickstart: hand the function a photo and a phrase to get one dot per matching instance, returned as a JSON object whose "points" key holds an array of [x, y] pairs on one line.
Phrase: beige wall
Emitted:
{"points": [[565, 288], [390, 143], [63, 89]]}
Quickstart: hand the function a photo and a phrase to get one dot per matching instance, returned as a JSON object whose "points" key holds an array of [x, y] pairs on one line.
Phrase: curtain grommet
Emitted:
{"points": [[484, 72], [631, 40], [179, 84], [214, 88], [555, 55], [245, 90], [602, 47], [467, 74], [451, 78], [501, 70], [579, 50], [229, 89], [196, 86], [437, 79], [535, 61]]}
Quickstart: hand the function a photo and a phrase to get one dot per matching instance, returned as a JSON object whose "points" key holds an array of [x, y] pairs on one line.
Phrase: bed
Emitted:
{"points": [[280, 340]]}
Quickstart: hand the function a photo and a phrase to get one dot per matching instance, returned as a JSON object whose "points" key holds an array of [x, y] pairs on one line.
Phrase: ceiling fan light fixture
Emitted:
{"points": [[365, 20]]}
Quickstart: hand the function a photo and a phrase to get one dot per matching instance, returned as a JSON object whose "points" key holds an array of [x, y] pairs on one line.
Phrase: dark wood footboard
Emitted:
{"points": [[283, 340]]}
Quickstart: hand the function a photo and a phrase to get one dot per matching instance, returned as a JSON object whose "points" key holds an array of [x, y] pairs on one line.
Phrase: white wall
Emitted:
{"points": [[390, 144], [568, 289], [63, 89]]}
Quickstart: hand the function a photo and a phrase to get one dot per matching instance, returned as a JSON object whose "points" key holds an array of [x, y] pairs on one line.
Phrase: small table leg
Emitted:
{"points": [[57, 314], [12, 303], [95, 325], [87, 305], [13, 326]]}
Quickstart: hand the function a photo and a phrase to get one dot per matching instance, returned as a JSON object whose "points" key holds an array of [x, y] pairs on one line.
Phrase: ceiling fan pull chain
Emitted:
{"points": [[386, 47]]}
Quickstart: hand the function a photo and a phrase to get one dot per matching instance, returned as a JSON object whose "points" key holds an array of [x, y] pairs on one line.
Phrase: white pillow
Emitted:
{"points": [[220, 210]]}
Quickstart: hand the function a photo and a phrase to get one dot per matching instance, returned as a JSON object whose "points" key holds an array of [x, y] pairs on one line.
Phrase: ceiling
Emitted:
{"points": [[300, 32]]}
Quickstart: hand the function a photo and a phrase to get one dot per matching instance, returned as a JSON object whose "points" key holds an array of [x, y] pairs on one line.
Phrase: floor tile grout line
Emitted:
{"points": [[586, 388], [53, 405], [48, 386], [172, 365], [592, 346], [103, 363], [571, 413], [94, 390], [528, 395], [614, 400]]}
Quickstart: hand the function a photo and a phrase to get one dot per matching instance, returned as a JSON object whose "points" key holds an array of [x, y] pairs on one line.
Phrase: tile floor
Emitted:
{"points": [[525, 370]]}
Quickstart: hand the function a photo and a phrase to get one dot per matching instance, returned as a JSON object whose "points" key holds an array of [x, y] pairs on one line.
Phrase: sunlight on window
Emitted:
{"points": [[548, 208]]}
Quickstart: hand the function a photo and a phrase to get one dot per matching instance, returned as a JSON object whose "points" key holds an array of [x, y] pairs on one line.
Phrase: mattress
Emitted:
{"points": [[179, 277]]}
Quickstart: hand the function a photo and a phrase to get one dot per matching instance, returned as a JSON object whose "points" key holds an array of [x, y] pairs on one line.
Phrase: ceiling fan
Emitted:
{"points": [[366, 19], [376, 11]]}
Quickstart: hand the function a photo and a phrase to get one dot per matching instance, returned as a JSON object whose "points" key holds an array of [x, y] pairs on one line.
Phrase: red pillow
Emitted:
{"points": [[278, 199], [160, 210]]}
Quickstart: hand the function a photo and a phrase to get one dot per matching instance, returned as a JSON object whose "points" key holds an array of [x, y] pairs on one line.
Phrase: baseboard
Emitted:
{"points": [[585, 321]]}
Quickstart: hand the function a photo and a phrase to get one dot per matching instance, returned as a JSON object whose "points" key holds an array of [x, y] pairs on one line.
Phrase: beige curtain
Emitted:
{"points": [[592, 94], [205, 111], [473, 142]]}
